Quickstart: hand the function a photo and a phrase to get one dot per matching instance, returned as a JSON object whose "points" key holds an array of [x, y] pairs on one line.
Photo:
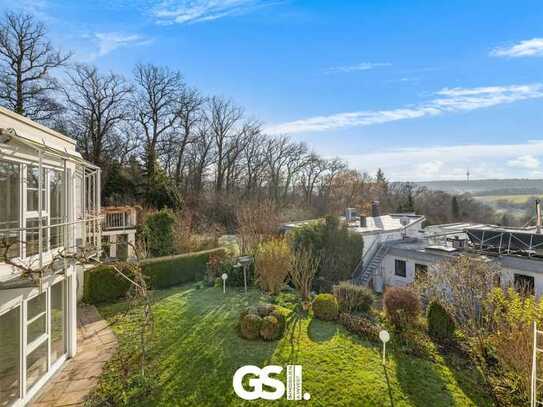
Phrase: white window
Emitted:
{"points": [[10, 206]]}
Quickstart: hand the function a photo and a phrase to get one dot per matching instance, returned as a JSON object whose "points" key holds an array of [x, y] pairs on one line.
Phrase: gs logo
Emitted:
{"points": [[262, 377]]}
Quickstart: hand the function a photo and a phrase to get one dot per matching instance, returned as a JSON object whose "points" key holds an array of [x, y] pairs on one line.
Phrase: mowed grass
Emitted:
{"points": [[195, 351]]}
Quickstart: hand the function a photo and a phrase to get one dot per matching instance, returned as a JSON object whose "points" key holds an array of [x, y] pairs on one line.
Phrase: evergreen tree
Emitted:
{"points": [[455, 209]]}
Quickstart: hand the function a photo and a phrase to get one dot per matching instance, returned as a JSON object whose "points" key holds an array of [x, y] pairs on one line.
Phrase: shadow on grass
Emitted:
{"points": [[388, 386], [421, 381], [321, 331], [469, 378]]}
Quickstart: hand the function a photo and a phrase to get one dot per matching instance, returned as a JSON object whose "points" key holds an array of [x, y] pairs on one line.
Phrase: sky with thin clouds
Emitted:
{"points": [[424, 90]]}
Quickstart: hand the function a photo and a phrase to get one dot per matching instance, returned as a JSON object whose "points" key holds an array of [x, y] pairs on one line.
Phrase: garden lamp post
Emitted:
{"points": [[224, 277], [385, 337]]}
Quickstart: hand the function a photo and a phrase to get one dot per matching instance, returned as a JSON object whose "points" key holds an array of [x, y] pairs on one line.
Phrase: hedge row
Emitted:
{"points": [[103, 284]]}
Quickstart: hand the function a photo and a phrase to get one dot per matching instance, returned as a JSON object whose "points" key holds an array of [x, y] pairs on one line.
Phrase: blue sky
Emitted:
{"points": [[422, 89]]}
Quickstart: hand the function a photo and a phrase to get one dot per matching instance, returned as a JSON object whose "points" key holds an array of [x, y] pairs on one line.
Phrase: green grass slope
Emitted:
{"points": [[195, 351]]}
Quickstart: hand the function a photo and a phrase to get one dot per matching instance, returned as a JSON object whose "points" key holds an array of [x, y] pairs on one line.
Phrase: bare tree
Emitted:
{"points": [[190, 113], [302, 272], [225, 118], [310, 175], [27, 59], [97, 108], [155, 108]]}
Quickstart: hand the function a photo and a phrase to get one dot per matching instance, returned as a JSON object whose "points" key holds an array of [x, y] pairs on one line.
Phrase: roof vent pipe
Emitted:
{"points": [[538, 215], [375, 209]]}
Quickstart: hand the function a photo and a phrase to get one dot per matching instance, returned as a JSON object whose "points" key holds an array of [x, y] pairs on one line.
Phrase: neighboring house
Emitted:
{"points": [[517, 252], [49, 215], [119, 232]]}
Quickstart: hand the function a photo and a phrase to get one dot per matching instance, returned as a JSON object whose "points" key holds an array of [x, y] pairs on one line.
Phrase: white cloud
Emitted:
{"points": [[525, 161], [526, 48], [430, 168], [363, 66], [452, 162], [107, 42], [193, 11], [449, 100]]}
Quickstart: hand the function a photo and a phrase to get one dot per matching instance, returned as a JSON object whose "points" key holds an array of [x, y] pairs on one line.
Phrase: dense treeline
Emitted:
{"points": [[162, 143]]}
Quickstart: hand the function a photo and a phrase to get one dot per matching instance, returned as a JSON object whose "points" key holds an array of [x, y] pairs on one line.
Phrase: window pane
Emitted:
{"points": [[32, 233], [10, 339], [35, 329], [35, 306], [9, 206], [32, 182], [56, 212], [58, 347], [36, 365]]}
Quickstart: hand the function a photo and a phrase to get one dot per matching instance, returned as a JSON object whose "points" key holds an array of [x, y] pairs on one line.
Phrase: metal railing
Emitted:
{"points": [[117, 220]]}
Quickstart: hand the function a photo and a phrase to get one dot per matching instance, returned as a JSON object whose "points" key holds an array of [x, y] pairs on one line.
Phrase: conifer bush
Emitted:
{"points": [[441, 326]]}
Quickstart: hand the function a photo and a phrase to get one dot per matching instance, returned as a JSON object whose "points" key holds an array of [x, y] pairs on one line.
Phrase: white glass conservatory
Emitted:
{"points": [[49, 222]]}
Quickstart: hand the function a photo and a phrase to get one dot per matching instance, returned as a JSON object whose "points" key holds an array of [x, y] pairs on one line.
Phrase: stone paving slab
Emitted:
{"points": [[96, 344]]}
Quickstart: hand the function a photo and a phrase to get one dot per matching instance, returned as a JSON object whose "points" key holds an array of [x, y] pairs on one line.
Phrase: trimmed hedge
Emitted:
{"points": [[164, 272], [103, 284]]}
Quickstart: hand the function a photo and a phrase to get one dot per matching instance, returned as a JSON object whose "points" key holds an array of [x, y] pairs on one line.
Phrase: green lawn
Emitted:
{"points": [[195, 351]]}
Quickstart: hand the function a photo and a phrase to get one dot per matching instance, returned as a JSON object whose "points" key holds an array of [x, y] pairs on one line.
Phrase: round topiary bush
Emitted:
{"points": [[250, 326], [269, 329], [280, 315], [441, 326], [325, 307], [264, 310]]}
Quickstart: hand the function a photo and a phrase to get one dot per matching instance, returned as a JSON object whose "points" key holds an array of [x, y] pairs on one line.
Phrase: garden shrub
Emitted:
{"points": [[281, 315], [269, 329], [361, 326], [352, 297], [164, 272], [264, 309], [248, 310], [265, 321], [158, 233], [103, 284], [402, 306], [250, 326], [511, 316], [272, 264], [325, 307], [440, 324]]}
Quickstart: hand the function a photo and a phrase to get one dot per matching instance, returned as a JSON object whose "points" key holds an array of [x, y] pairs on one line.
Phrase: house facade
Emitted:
{"points": [[49, 229]]}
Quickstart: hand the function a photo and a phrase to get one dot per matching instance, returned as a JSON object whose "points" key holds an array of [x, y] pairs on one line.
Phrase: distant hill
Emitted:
{"points": [[488, 186]]}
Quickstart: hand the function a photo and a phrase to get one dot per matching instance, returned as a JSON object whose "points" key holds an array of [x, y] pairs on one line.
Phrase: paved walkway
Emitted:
{"points": [[73, 383]]}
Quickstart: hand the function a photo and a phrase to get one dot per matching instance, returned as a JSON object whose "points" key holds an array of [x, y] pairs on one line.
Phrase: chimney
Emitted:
{"points": [[363, 223], [538, 215], [375, 209]]}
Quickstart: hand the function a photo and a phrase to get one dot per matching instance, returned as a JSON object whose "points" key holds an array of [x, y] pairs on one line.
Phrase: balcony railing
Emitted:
{"points": [[118, 220]]}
